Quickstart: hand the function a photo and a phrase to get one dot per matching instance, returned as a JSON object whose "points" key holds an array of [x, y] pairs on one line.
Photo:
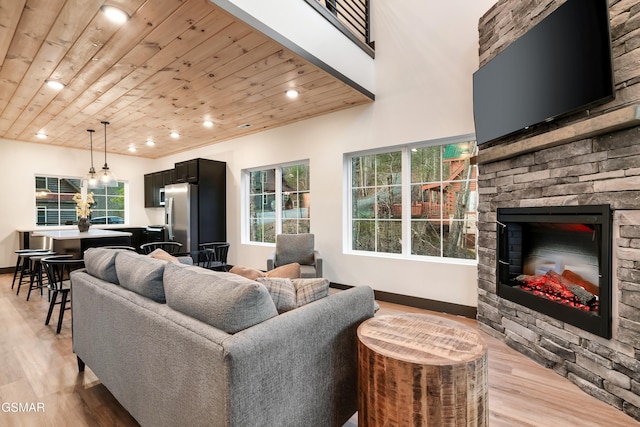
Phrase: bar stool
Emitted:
{"points": [[20, 260], [27, 267], [58, 269], [38, 280]]}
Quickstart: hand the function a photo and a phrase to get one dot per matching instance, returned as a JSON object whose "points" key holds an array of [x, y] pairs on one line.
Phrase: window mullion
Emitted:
{"points": [[278, 213], [406, 201], [442, 201]]}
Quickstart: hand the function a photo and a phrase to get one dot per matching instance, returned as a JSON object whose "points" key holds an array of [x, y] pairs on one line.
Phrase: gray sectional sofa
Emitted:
{"points": [[181, 345]]}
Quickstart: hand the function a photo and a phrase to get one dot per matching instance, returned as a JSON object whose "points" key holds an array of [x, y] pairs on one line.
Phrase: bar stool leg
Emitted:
{"points": [[26, 270], [15, 272], [63, 305], [51, 305], [36, 272]]}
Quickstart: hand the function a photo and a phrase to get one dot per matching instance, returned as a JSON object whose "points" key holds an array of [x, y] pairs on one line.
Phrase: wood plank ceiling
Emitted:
{"points": [[173, 65]]}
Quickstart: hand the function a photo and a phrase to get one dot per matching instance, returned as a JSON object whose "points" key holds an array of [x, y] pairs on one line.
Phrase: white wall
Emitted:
{"points": [[426, 53]]}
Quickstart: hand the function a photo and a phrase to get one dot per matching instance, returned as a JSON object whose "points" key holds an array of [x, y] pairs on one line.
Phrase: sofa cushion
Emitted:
{"points": [[290, 271], [141, 274], [223, 300], [101, 263], [309, 290], [248, 272], [282, 292]]}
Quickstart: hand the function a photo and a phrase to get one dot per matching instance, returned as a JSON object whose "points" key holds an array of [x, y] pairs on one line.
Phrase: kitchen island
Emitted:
{"points": [[75, 242]]}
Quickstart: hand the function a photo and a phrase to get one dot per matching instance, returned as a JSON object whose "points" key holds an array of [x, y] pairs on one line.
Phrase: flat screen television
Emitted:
{"points": [[560, 66]]}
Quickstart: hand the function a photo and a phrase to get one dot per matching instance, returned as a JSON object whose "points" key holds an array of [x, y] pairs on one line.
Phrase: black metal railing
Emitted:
{"points": [[350, 16]]}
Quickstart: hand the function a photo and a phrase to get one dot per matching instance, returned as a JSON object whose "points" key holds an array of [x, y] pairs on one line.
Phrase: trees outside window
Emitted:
{"points": [[279, 201], [419, 200], [376, 188]]}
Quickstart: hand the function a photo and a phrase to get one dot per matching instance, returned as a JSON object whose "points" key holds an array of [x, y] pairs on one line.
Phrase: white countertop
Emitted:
{"points": [[93, 233]]}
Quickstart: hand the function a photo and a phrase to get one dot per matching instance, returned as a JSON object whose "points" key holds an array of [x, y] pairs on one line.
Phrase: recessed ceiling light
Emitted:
{"points": [[207, 123], [115, 15], [175, 135], [41, 135], [292, 93], [54, 84], [132, 148], [245, 125], [150, 142]]}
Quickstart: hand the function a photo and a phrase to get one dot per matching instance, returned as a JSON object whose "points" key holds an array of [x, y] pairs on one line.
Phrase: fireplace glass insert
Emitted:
{"points": [[557, 261]]}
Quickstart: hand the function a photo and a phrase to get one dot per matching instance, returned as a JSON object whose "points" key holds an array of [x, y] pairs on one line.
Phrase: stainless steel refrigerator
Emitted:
{"points": [[181, 215]]}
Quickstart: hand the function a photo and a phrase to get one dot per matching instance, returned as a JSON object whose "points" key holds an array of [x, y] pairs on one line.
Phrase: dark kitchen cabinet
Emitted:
{"points": [[188, 171], [168, 177], [148, 191], [153, 183]]}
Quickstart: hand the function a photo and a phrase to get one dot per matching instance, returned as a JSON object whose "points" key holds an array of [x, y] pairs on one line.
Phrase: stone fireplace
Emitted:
{"points": [[585, 163]]}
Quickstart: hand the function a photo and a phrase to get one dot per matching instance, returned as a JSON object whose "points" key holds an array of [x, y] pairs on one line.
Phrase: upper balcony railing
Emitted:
{"points": [[349, 16]]}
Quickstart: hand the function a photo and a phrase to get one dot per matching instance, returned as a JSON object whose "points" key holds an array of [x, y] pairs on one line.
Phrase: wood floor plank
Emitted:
{"points": [[39, 366]]}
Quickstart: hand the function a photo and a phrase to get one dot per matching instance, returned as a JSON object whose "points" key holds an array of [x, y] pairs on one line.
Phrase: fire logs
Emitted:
{"points": [[560, 288]]}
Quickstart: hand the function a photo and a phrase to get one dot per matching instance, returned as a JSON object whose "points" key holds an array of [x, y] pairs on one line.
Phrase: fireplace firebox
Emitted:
{"points": [[557, 261]]}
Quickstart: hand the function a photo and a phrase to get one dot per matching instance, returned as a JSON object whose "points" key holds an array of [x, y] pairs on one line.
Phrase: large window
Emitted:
{"points": [[278, 201], [416, 200], [55, 205]]}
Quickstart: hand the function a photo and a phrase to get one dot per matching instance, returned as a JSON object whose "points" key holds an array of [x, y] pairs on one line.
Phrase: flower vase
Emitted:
{"points": [[83, 224]]}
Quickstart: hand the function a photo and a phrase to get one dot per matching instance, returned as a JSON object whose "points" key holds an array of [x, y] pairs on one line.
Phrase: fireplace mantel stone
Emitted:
{"points": [[605, 123]]}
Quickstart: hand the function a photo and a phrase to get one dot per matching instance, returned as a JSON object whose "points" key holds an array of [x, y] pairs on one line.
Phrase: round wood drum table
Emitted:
{"points": [[421, 370]]}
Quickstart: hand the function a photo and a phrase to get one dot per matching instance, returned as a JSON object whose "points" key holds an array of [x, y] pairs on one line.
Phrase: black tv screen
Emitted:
{"points": [[560, 66]]}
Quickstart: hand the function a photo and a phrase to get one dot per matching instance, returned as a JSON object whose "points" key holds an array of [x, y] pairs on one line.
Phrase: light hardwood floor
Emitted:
{"points": [[37, 366]]}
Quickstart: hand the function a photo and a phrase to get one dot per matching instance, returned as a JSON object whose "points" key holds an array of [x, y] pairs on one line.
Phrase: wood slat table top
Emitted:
{"points": [[422, 339]]}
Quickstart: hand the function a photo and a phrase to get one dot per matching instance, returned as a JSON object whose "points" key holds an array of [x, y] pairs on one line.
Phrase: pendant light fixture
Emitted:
{"points": [[108, 179], [91, 179]]}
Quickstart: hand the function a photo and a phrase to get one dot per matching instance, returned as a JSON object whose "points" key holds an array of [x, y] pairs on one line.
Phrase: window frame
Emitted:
{"points": [[37, 209], [406, 220], [278, 194]]}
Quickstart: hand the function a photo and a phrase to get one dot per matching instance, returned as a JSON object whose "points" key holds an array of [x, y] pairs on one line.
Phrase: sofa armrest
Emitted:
{"points": [[304, 361], [271, 261], [317, 260]]}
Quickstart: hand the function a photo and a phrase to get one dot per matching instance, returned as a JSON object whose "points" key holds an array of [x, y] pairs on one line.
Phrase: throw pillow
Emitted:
{"points": [[309, 290], [289, 271], [282, 292], [248, 272], [163, 255]]}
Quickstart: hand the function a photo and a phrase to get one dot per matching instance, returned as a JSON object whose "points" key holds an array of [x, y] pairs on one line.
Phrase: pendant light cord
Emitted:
{"points": [[91, 131], [106, 167]]}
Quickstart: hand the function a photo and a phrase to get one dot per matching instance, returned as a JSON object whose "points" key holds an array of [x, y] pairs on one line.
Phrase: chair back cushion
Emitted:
{"points": [[292, 248], [225, 301]]}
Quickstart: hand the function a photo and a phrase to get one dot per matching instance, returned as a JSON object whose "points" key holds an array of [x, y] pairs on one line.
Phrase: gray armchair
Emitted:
{"points": [[298, 248]]}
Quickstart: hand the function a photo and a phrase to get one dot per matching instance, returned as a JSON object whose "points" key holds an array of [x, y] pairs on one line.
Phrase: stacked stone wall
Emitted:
{"points": [[604, 169]]}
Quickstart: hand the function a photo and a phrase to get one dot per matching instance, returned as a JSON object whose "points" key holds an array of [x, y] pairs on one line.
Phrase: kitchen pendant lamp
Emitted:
{"points": [[107, 178], [91, 179]]}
